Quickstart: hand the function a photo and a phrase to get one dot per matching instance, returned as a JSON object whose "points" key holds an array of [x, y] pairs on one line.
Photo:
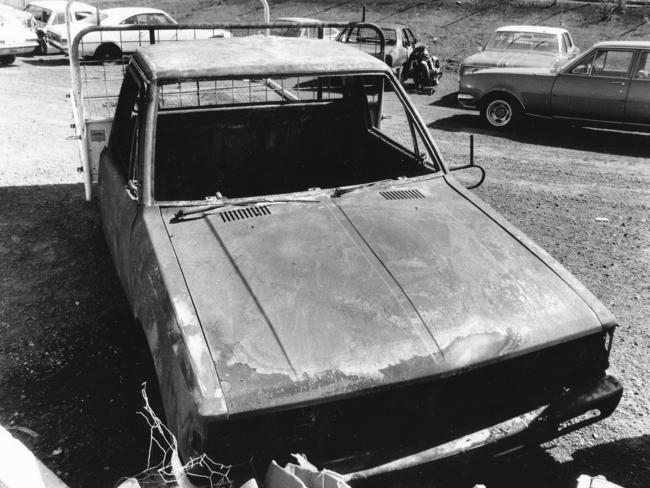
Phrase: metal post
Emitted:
{"points": [[363, 13], [471, 149], [76, 98], [267, 13]]}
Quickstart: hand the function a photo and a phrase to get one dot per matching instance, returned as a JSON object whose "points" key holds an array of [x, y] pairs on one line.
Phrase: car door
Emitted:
{"points": [[637, 106], [119, 180], [594, 88], [405, 47]]}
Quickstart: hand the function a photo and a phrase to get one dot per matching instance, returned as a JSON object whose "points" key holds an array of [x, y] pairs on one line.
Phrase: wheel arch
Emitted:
{"points": [[492, 94], [106, 45]]}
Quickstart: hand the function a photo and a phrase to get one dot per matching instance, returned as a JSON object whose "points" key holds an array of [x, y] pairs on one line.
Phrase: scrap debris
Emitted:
{"points": [[586, 481]]}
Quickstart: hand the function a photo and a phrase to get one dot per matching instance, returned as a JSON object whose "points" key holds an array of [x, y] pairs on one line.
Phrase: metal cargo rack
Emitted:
{"points": [[96, 82]]}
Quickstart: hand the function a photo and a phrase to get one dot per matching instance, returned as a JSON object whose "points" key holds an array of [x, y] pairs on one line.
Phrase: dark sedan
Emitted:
{"points": [[608, 86]]}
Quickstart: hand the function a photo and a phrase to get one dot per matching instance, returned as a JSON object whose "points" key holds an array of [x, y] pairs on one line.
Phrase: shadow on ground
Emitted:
{"points": [[543, 133], [625, 462], [47, 61], [72, 361]]}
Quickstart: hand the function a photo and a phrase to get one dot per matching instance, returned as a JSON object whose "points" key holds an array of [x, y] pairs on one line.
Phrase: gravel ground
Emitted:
{"points": [[68, 348]]}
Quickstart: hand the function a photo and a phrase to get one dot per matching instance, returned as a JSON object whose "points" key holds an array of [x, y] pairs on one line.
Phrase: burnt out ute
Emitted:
{"points": [[311, 278]]}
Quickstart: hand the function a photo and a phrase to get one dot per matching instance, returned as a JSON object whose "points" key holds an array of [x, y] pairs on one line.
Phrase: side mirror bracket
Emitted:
{"points": [[472, 165]]}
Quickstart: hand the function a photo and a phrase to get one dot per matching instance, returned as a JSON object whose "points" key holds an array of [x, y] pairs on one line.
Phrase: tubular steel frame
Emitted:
{"points": [[79, 94]]}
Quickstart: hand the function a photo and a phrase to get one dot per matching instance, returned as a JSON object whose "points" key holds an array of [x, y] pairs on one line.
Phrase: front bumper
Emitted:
{"points": [[14, 49], [576, 409]]}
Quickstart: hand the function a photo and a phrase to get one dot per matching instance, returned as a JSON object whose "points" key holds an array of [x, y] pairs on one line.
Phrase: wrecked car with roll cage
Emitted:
{"points": [[312, 278]]}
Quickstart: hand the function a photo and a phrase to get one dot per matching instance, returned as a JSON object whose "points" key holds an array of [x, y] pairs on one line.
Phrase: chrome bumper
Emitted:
{"points": [[12, 49]]}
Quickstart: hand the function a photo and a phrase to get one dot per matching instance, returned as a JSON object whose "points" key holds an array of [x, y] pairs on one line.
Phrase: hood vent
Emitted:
{"points": [[401, 194], [244, 213]]}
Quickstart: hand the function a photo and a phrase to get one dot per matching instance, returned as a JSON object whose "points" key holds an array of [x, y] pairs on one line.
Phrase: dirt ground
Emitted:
{"points": [[70, 355]]}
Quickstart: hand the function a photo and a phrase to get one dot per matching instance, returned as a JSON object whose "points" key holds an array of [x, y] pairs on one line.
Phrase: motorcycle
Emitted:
{"points": [[424, 69]]}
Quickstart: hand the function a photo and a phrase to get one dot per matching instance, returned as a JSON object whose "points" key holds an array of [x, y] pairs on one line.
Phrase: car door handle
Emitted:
{"points": [[619, 83]]}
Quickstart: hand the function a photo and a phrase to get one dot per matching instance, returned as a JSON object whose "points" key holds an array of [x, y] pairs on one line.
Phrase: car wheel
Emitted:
{"points": [[501, 112], [107, 52], [7, 60]]}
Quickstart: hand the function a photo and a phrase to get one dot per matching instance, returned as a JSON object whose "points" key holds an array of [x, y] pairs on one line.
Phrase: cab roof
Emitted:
{"points": [[250, 56], [630, 44], [538, 29], [58, 5]]}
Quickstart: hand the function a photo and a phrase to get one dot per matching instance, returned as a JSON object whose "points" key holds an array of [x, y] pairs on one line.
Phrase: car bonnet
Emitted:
{"points": [[301, 302]]}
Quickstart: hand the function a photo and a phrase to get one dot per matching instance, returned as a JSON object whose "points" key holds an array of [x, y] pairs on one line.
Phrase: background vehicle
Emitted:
{"points": [[607, 86], [111, 45], [527, 46], [51, 13], [400, 42], [25, 18], [15, 38], [329, 33], [228, 198]]}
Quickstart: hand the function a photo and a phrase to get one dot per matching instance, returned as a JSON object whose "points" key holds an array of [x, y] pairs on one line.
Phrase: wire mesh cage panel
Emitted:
{"points": [[233, 92], [100, 54]]}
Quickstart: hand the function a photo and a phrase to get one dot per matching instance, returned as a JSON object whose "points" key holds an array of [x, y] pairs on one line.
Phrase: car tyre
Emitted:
{"points": [[7, 60], [107, 52], [501, 112]]}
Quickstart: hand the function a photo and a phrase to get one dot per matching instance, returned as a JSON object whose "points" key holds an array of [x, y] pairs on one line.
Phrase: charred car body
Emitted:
{"points": [[311, 278]]}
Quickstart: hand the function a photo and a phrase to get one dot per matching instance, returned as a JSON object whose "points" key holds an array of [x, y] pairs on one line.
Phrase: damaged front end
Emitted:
{"points": [[501, 407]]}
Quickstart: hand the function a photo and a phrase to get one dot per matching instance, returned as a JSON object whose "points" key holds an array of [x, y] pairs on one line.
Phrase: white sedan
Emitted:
{"points": [[292, 30], [15, 38], [112, 44]]}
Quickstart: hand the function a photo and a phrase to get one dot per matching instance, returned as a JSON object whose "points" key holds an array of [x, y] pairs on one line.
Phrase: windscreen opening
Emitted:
{"points": [[523, 41], [260, 137]]}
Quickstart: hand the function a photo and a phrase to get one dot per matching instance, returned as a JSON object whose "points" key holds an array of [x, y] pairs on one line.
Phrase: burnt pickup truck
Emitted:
{"points": [[311, 278]]}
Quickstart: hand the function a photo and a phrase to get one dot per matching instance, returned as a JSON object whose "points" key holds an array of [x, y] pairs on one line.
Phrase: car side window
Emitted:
{"points": [[612, 64], [59, 18], [158, 19], [136, 19], [643, 70], [405, 39], [567, 40], [123, 141], [584, 67], [82, 15], [565, 46], [412, 37]]}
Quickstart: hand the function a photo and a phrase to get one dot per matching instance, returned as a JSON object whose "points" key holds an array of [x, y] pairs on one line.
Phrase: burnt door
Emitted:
{"points": [[595, 88], [637, 106], [119, 185]]}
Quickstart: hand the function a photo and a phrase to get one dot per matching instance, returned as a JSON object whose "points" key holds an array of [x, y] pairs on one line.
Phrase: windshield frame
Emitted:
{"points": [[434, 162]]}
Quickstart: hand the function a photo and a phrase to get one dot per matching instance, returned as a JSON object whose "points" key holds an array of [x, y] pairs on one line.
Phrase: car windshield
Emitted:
{"points": [[523, 41], [41, 15], [241, 138]]}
